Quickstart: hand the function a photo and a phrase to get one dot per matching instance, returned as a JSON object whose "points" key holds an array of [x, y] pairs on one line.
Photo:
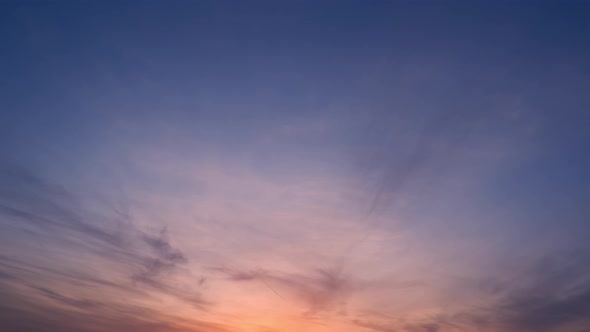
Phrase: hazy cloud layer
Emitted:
{"points": [[257, 167]]}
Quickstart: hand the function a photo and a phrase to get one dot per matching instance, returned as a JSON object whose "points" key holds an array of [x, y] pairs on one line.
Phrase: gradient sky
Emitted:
{"points": [[287, 166]]}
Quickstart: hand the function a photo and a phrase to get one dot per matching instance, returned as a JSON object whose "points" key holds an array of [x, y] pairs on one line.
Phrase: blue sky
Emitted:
{"points": [[294, 166]]}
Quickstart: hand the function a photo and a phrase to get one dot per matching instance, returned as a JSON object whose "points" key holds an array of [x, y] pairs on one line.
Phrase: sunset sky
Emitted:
{"points": [[294, 166]]}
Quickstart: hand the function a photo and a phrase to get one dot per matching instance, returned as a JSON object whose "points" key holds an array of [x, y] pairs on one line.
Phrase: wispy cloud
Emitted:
{"points": [[138, 262], [322, 290], [554, 295]]}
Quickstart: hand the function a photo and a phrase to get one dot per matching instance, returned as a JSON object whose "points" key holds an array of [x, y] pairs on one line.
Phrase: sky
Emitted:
{"points": [[286, 166]]}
